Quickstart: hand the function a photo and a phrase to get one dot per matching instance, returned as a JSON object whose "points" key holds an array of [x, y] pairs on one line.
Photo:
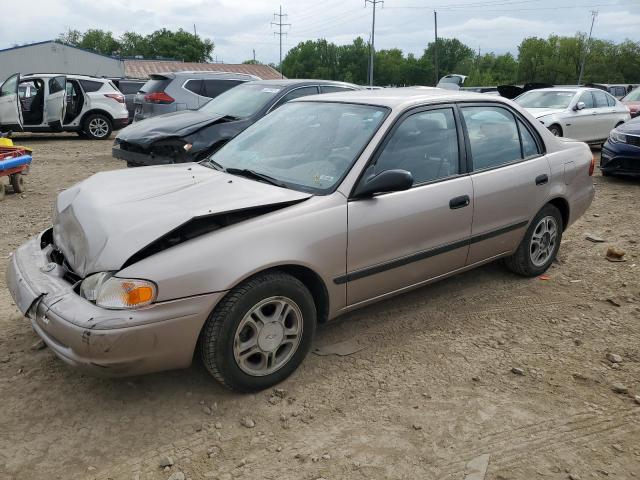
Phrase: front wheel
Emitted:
{"points": [[555, 130], [97, 127], [259, 333], [17, 182], [540, 244]]}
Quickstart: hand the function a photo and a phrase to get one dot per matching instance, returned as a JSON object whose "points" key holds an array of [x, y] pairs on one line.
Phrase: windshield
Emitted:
{"points": [[307, 146], [241, 101], [545, 99], [633, 96]]}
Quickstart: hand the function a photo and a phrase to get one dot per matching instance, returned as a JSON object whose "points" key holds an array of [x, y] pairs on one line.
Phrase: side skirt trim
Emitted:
{"points": [[416, 257]]}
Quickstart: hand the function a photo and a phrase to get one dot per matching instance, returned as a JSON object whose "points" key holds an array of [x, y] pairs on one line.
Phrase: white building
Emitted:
{"points": [[55, 57]]}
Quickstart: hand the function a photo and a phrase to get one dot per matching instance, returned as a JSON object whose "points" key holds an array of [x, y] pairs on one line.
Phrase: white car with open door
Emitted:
{"points": [[93, 107]]}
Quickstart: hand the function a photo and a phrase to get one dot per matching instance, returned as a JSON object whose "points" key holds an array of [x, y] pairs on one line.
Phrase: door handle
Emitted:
{"points": [[459, 202], [542, 179]]}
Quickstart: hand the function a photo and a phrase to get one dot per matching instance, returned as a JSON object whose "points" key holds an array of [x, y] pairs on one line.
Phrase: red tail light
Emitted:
{"points": [[158, 97], [592, 165], [116, 96]]}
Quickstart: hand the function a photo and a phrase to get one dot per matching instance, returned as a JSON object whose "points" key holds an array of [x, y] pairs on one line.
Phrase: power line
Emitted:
{"points": [[280, 33], [594, 14], [372, 48]]}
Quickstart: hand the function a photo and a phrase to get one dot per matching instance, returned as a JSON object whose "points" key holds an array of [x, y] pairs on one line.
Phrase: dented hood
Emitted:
{"points": [[101, 222], [176, 124]]}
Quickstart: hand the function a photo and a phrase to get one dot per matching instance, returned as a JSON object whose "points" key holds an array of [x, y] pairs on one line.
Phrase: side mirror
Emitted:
{"points": [[579, 106], [384, 182]]}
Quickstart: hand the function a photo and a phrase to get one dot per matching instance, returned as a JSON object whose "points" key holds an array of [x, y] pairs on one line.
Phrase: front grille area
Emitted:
{"points": [[633, 140]]}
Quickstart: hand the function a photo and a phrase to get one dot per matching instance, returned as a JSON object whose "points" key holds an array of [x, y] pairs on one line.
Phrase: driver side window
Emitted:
{"points": [[587, 98], [425, 144]]}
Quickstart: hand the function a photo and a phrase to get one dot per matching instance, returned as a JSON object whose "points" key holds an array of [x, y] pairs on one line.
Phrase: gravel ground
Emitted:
{"points": [[434, 386]]}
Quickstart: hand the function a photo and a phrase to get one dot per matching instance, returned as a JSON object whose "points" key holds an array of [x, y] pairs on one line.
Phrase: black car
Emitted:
{"points": [[621, 152], [192, 135]]}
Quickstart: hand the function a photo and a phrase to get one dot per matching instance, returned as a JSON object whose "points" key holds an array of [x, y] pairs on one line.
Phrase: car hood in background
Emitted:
{"points": [[632, 127], [541, 112], [176, 124], [101, 222]]}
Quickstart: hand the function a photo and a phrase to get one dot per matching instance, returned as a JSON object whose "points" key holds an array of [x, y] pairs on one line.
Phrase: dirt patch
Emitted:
{"points": [[431, 389]]}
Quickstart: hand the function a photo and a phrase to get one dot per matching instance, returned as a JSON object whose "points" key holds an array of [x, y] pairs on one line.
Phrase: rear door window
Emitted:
{"points": [[57, 84], [334, 88], [194, 86], [493, 136], [529, 145], [213, 88], [90, 86], [297, 93]]}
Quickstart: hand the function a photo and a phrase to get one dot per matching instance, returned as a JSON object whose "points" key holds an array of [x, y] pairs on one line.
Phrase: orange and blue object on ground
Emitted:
{"points": [[14, 163]]}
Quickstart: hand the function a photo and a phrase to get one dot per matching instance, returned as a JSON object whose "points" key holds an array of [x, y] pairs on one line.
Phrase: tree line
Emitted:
{"points": [[555, 60], [163, 43]]}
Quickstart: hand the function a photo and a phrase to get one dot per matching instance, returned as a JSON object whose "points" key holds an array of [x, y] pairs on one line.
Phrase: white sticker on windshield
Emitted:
{"points": [[270, 90]]}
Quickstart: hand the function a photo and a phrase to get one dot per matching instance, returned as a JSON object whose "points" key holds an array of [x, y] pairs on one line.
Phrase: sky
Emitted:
{"points": [[237, 27]]}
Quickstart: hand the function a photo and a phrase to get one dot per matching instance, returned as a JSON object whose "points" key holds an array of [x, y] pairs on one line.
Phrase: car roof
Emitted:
{"points": [[403, 97], [568, 89], [204, 73], [30, 76], [286, 82]]}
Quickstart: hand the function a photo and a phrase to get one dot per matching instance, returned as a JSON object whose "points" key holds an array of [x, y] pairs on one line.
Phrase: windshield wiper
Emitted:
{"points": [[245, 172], [210, 162]]}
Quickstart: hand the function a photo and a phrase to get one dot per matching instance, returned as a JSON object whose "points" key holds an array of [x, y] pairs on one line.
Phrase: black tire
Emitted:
{"points": [[556, 130], [17, 182], [2, 189], [97, 126], [219, 332], [521, 261]]}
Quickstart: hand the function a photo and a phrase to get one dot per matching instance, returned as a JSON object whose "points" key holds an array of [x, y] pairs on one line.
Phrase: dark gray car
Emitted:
{"points": [[188, 136], [176, 91], [129, 87]]}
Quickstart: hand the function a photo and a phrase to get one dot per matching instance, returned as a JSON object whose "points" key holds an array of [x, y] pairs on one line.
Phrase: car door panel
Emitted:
{"points": [[401, 239], [510, 178], [404, 238], [579, 124], [10, 108], [506, 198], [56, 101]]}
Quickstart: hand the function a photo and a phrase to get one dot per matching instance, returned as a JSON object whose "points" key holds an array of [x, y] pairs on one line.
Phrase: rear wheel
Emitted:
{"points": [[97, 126], [259, 333], [556, 130], [540, 244], [17, 182]]}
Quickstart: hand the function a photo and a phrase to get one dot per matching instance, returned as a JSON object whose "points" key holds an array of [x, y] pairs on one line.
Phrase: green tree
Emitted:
{"points": [[99, 41]]}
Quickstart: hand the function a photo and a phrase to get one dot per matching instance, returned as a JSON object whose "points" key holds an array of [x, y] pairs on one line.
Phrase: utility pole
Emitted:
{"points": [[435, 48], [372, 48], [195, 33], [594, 14], [281, 16], [254, 54]]}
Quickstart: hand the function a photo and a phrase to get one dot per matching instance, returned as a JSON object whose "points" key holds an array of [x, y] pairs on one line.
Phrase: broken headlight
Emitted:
{"points": [[115, 293]]}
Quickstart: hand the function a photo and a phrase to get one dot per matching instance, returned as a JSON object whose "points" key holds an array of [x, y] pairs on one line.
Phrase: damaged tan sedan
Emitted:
{"points": [[327, 204]]}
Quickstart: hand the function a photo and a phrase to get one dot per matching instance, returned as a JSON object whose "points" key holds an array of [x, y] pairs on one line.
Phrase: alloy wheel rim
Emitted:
{"points": [[268, 336], [98, 127], [543, 241]]}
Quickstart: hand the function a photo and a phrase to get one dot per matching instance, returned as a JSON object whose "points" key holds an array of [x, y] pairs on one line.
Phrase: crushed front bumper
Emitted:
{"points": [[162, 336], [139, 159]]}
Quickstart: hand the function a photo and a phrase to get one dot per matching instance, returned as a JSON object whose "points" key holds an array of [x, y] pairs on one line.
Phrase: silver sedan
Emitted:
{"points": [[586, 114], [328, 204]]}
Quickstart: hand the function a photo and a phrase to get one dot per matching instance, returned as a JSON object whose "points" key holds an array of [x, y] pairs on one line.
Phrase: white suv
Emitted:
{"points": [[49, 102]]}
